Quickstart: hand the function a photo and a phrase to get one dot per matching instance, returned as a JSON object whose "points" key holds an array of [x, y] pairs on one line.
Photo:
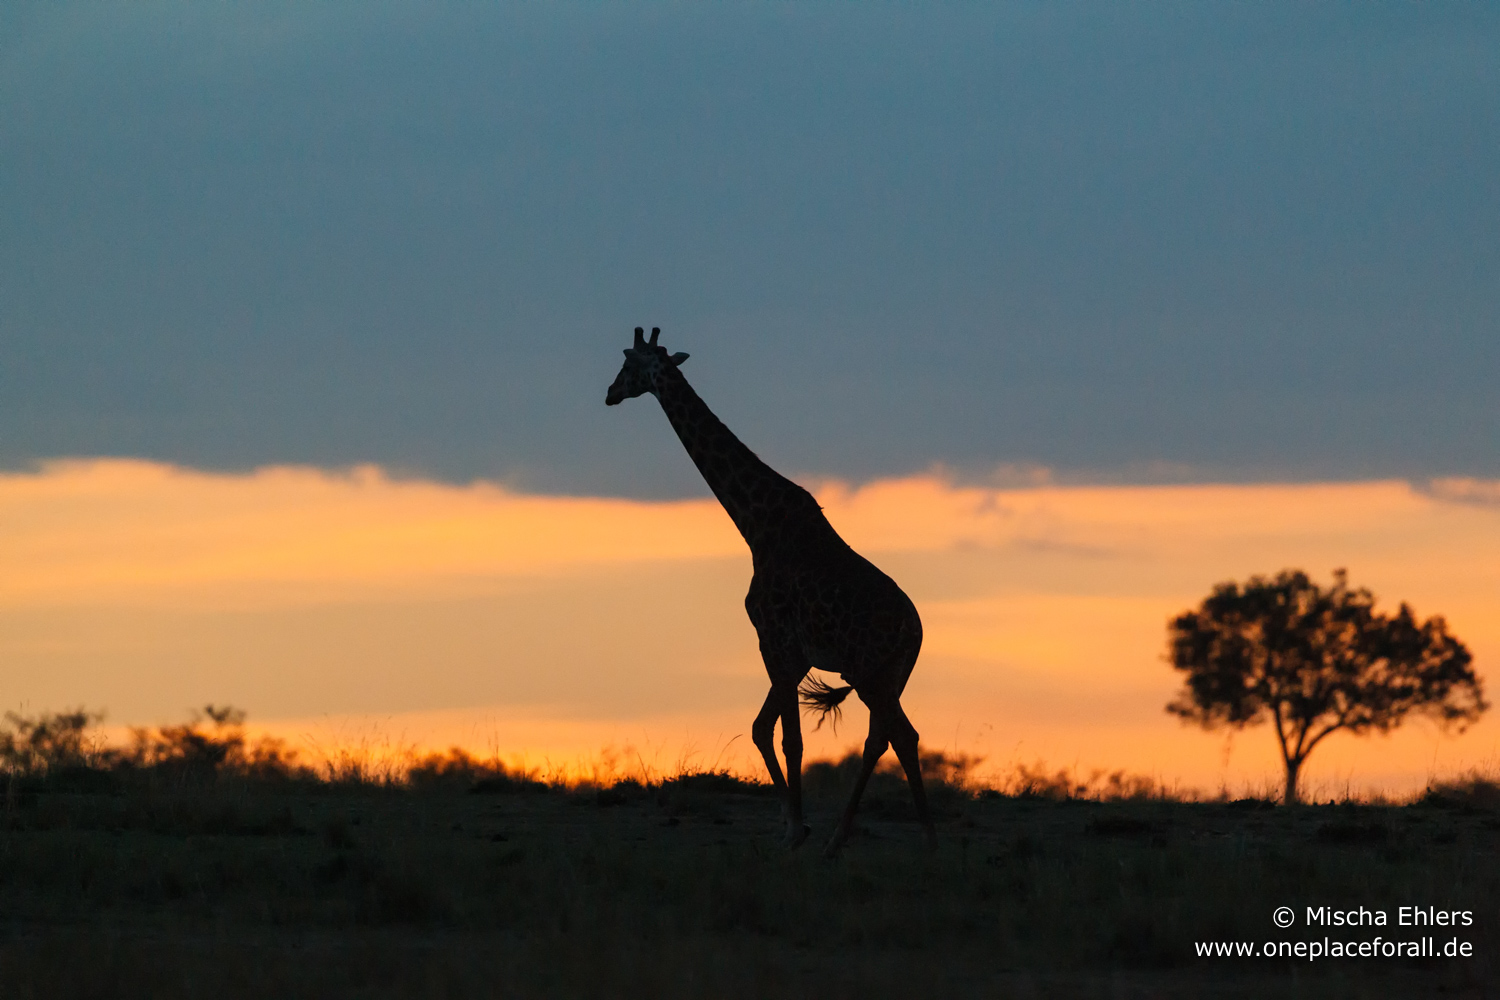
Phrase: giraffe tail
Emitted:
{"points": [[824, 700]]}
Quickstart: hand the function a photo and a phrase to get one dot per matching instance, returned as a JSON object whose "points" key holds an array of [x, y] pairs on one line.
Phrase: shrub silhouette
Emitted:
{"points": [[459, 770], [50, 743], [211, 746], [59, 749]]}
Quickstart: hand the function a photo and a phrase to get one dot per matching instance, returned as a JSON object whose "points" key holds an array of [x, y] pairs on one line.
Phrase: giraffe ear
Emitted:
{"points": [[678, 358]]}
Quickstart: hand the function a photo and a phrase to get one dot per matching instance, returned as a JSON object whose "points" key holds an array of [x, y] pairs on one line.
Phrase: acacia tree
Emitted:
{"points": [[1315, 661]]}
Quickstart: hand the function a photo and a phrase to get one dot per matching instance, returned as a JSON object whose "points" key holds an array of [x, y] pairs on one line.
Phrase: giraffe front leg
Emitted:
{"points": [[791, 748], [763, 733]]}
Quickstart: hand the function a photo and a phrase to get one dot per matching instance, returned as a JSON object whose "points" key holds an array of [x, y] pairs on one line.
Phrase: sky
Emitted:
{"points": [[307, 313], [1176, 242]]}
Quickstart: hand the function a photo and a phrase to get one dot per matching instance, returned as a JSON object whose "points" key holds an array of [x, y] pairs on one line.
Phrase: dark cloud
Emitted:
{"points": [[1242, 241]]}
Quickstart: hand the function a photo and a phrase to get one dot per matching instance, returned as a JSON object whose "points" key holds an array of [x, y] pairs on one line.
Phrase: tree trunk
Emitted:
{"points": [[1292, 767]]}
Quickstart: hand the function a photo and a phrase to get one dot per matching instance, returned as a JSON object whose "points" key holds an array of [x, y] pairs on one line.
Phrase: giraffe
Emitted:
{"points": [[813, 600]]}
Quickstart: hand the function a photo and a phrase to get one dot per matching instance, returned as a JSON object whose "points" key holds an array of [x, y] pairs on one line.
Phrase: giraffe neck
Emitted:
{"points": [[749, 489]]}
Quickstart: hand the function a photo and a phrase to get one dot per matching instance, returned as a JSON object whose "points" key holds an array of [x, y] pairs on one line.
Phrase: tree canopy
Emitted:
{"points": [[1314, 661]]}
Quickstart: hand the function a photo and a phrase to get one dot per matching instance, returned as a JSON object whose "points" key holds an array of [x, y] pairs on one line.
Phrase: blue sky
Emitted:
{"points": [[1188, 242]]}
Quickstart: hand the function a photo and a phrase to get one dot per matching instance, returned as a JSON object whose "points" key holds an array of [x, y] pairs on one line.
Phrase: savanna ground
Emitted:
{"points": [[194, 863]]}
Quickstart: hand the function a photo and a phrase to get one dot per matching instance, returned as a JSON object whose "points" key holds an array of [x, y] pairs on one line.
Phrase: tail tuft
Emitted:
{"points": [[824, 700]]}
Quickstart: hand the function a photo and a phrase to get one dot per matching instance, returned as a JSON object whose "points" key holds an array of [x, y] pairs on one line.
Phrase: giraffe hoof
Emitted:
{"points": [[796, 834], [835, 843]]}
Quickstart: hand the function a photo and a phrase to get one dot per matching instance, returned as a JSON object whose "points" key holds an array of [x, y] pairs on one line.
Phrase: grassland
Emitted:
{"points": [[155, 880]]}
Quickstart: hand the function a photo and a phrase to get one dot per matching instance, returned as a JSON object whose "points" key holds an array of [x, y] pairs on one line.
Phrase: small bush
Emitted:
{"points": [[719, 782], [458, 770], [1352, 832], [59, 751], [1121, 826], [211, 746], [1472, 791], [50, 743], [1037, 782]]}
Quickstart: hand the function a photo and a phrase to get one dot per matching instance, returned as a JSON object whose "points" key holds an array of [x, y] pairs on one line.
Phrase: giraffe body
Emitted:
{"points": [[813, 600]]}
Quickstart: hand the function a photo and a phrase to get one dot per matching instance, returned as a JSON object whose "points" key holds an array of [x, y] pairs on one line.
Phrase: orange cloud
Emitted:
{"points": [[300, 593], [141, 532]]}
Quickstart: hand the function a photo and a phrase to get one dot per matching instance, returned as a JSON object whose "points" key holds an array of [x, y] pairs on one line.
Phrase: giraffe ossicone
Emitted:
{"points": [[813, 600]]}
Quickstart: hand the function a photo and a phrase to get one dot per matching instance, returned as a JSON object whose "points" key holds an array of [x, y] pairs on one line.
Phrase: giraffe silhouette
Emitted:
{"points": [[813, 600]]}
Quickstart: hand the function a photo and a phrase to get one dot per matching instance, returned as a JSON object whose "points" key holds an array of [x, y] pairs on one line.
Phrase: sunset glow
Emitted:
{"points": [[349, 607]]}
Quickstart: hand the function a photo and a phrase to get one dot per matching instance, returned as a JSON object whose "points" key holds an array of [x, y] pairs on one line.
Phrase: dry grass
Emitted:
{"points": [[459, 877]]}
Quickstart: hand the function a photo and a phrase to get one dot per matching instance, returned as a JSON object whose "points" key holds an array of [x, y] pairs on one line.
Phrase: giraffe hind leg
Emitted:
{"points": [[889, 727], [875, 745], [904, 742]]}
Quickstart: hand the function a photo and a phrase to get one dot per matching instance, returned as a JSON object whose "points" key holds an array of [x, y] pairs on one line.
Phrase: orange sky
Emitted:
{"points": [[353, 607]]}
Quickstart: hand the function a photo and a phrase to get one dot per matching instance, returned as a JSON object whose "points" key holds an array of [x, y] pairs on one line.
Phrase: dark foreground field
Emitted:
{"points": [[312, 889]]}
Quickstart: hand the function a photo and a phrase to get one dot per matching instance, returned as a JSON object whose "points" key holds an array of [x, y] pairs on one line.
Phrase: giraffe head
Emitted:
{"points": [[643, 363]]}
